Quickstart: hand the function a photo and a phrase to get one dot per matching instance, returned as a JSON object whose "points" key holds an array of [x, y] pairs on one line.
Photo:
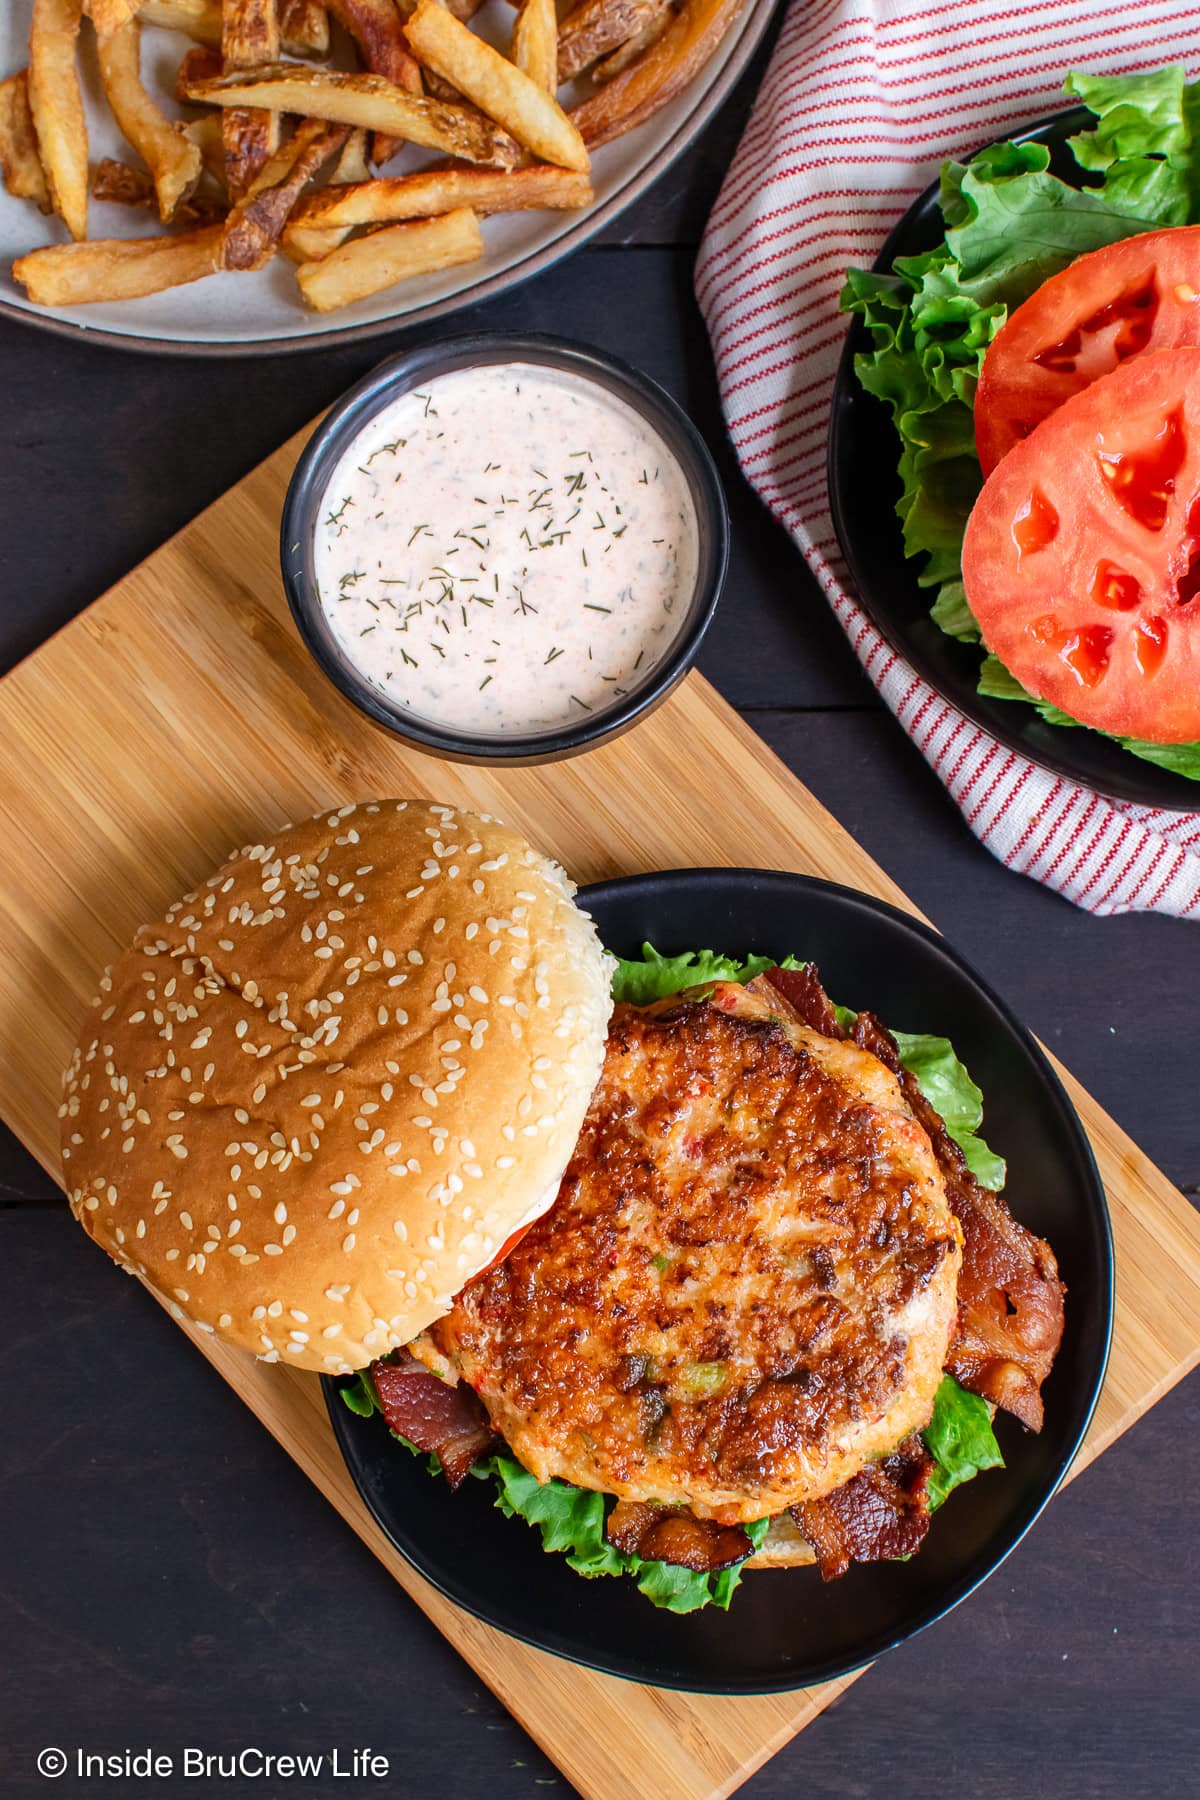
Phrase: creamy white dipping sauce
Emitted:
{"points": [[507, 550]]}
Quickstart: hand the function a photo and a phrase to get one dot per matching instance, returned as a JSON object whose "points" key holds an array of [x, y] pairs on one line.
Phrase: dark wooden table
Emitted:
{"points": [[170, 1578]]}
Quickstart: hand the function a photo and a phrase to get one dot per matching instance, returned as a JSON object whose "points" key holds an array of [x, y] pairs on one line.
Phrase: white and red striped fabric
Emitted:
{"points": [[862, 102]]}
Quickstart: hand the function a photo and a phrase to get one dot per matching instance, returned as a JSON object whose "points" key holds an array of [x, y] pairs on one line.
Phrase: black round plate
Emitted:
{"points": [[787, 1628], [863, 487]]}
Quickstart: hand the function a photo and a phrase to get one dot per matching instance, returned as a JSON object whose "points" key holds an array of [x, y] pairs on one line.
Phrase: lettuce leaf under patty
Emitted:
{"points": [[960, 1439], [1010, 224], [959, 1436], [948, 1087], [571, 1521], [651, 976]]}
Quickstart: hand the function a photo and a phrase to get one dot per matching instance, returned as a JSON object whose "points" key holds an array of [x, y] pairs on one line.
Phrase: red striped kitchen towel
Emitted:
{"points": [[862, 102]]}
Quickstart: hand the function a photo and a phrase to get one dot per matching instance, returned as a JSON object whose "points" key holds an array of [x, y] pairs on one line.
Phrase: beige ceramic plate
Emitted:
{"points": [[231, 313]]}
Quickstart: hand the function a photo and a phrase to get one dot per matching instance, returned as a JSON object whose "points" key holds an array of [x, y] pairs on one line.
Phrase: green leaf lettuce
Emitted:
{"points": [[1010, 224], [960, 1439]]}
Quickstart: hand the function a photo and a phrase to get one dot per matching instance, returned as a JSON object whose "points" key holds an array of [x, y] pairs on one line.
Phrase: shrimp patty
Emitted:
{"points": [[747, 1285]]}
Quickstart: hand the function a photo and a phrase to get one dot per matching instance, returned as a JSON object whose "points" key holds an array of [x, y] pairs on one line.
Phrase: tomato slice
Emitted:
{"points": [[1140, 295], [1082, 554]]}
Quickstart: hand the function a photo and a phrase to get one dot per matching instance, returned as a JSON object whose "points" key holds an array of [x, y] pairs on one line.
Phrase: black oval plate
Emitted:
{"points": [[787, 1628], [863, 487]]}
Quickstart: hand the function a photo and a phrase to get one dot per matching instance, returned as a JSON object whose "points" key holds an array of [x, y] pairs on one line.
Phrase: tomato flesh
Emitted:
{"points": [[1135, 297], [1081, 560]]}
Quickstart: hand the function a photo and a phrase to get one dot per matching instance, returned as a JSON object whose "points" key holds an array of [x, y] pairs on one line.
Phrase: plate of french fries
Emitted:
{"points": [[250, 172]]}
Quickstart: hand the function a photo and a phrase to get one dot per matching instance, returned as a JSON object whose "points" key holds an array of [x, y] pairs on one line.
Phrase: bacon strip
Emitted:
{"points": [[1010, 1321], [671, 1534], [881, 1514], [806, 999], [449, 1422], [1010, 1308]]}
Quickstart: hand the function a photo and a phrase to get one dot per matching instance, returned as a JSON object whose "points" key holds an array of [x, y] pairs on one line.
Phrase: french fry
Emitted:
{"points": [[197, 64], [249, 39], [304, 27], [594, 28], [352, 164], [535, 43], [462, 9], [205, 133], [57, 108], [651, 31], [658, 74], [428, 81], [378, 30], [393, 253], [304, 244], [199, 19], [311, 244], [20, 164], [438, 89], [126, 186], [508, 152], [109, 15], [434, 191], [117, 268], [503, 92], [172, 160], [368, 100], [254, 227]]}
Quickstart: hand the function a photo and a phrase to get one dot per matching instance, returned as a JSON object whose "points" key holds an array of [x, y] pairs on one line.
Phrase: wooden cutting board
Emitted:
{"points": [[180, 716]]}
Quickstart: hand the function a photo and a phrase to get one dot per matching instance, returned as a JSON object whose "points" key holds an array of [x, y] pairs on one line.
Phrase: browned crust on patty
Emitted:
{"points": [[726, 1304]]}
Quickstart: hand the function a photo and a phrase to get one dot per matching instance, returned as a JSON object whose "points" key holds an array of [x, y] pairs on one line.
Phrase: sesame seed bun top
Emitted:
{"points": [[320, 1094]]}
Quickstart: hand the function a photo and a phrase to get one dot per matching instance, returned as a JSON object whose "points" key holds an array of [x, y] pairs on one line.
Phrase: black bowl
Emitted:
{"points": [[786, 1628], [302, 507], [863, 487]]}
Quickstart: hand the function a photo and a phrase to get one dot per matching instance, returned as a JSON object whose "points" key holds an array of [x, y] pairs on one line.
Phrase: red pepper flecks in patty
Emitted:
{"points": [[738, 1330]]}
